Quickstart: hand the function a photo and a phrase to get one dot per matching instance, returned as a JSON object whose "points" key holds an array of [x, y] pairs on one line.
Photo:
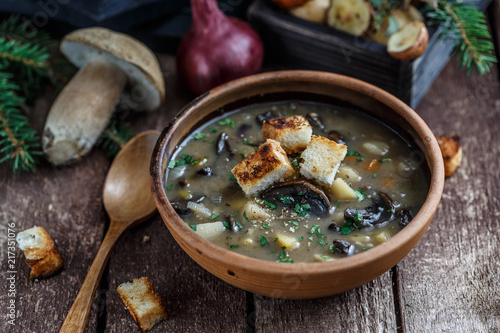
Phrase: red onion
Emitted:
{"points": [[216, 49]]}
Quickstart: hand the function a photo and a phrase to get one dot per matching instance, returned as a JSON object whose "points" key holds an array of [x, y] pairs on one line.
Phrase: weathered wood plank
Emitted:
{"points": [[73, 215], [449, 282], [369, 308], [195, 300]]}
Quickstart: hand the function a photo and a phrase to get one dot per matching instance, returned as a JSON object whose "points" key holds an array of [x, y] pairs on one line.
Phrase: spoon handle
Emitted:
{"points": [[78, 315]]}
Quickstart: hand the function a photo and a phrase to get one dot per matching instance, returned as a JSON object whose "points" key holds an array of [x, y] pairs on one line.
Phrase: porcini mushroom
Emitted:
{"points": [[300, 192], [111, 64], [410, 42], [381, 210], [351, 16]]}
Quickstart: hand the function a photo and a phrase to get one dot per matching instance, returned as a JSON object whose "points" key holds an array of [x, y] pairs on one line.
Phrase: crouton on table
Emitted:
{"points": [[264, 167], [143, 302], [292, 132], [321, 159], [40, 252], [452, 153]]}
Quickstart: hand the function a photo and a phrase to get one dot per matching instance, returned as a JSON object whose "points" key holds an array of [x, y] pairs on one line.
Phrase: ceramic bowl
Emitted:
{"points": [[299, 280]]}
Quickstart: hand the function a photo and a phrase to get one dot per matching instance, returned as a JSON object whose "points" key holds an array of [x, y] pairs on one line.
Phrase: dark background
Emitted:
{"points": [[158, 23]]}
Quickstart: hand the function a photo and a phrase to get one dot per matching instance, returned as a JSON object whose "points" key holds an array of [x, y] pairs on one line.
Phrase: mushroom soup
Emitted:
{"points": [[379, 186]]}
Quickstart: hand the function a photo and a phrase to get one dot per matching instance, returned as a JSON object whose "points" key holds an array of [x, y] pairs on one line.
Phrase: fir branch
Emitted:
{"points": [[30, 55], [466, 25], [115, 136], [57, 69], [18, 142]]}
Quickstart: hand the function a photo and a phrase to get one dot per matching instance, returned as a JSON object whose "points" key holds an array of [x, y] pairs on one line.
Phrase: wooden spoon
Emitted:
{"points": [[128, 200]]}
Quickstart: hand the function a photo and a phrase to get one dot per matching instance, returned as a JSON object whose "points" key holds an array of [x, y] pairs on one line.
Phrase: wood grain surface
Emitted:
{"points": [[448, 283]]}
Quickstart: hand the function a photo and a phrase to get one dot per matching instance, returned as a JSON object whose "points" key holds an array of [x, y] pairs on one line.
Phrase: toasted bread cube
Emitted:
{"points": [[321, 159], [264, 167], [292, 132], [342, 191], [289, 242], [452, 153], [143, 302], [210, 230], [254, 211], [40, 252]]}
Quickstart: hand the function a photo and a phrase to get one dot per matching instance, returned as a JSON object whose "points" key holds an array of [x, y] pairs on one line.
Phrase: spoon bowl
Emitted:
{"points": [[127, 189], [128, 201]]}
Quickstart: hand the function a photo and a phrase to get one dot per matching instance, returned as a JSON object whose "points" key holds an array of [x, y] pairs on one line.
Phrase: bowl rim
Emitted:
{"points": [[419, 222]]}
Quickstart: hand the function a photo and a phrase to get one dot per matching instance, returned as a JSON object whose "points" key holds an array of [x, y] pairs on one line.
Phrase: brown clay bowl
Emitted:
{"points": [[298, 280]]}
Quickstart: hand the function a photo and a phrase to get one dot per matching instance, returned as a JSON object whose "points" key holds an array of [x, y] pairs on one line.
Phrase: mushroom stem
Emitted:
{"points": [[81, 111]]}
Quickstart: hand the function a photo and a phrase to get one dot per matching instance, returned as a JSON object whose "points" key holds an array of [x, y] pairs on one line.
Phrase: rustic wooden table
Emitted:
{"points": [[448, 283]]}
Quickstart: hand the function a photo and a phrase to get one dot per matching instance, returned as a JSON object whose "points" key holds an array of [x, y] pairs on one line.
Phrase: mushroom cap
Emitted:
{"points": [[146, 89]]}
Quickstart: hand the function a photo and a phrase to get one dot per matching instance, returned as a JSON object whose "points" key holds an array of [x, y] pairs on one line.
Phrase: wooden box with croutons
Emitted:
{"points": [[292, 42]]}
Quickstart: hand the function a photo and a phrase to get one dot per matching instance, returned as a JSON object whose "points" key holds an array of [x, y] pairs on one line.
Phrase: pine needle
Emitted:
{"points": [[467, 27], [18, 142], [115, 136], [32, 56]]}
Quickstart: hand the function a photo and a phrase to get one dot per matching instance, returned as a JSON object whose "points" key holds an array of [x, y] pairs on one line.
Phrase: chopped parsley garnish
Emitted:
{"points": [[238, 223], [295, 223], [232, 177], [283, 258], [347, 228], [344, 230], [360, 192], [311, 238], [199, 136], [321, 242], [189, 159], [301, 193], [332, 249], [274, 240], [336, 202], [358, 219], [236, 214], [300, 238], [313, 229], [359, 159], [245, 142], [233, 246], [213, 129], [302, 209], [173, 163], [374, 175], [227, 122], [353, 153], [170, 187], [186, 159], [242, 156], [264, 225], [270, 204], [263, 241], [385, 160], [214, 216], [227, 224], [284, 199], [193, 227], [319, 234], [245, 216], [295, 163]]}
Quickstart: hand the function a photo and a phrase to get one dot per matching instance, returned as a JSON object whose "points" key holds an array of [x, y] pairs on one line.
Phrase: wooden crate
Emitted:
{"points": [[293, 43]]}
